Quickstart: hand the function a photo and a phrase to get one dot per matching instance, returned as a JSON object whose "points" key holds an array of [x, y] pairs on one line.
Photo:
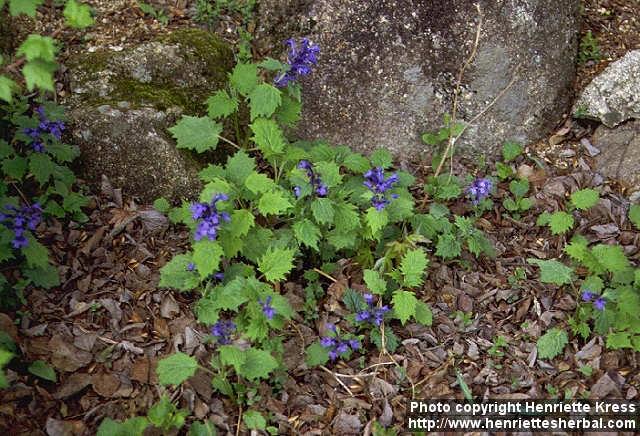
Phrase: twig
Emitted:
{"points": [[20, 193], [456, 91], [324, 368], [324, 274], [239, 418], [228, 141]]}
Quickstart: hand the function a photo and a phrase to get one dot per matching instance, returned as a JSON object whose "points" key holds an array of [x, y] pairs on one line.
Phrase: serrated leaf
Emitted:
{"points": [[46, 276], [322, 209], [15, 167], [611, 257], [41, 166], [259, 183], [346, 217], [5, 358], [511, 150], [560, 222], [239, 167], [316, 355], [206, 256], [244, 78], [381, 158], [519, 188], [356, 163], [36, 254], [43, 370], [77, 15], [27, 7], [552, 271], [448, 246], [175, 275], [254, 420], [131, 427], [206, 428], [634, 215], [276, 263], [73, 202], [243, 221], [423, 314], [39, 74], [288, 113], [7, 87], [374, 282], [162, 205], [175, 369], [376, 220], [341, 240], [273, 203], [267, 136], [233, 356], [585, 198], [404, 305], [258, 364], [552, 343], [263, 100], [412, 267], [307, 233], [618, 340], [329, 173], [232, 295], [221, 104], [38, 47], [196, 133]]}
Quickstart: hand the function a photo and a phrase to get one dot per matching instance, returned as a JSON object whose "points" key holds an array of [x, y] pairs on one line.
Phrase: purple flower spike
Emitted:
{"points": [[588, 296], [222, 331], [379, 185], [267, 309], [320, 188], [600, 303], [300, 59], [45, 126], [19, 220], [210, 219], [479, 190]]}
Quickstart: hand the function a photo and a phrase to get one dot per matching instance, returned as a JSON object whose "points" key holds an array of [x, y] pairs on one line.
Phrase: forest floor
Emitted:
{"points": [[106, 326]]}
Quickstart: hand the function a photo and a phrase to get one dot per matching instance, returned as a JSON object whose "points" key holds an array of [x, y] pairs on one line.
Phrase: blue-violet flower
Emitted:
{"points": [[267, 309], [222, 331], [372, 314], [210, 219], [376, 182], [338, 346], [300, 59], [479, 190], [19, 220], [320, 188]]}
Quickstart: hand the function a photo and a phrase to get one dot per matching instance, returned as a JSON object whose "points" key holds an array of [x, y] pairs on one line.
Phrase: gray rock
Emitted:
{"points": [[620, 153], [122, 104], [387, 68], [613, 96]]}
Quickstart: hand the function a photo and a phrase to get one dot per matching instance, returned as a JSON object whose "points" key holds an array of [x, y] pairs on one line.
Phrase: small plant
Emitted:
{"points": [[589, 49], [157, 14], [519, 203], [518, 275], [496, 349], [561, 222], [510, 152]]}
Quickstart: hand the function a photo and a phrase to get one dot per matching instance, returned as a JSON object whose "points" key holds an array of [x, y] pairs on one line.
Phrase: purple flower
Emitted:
{"points": [[599, 303], [372, 314], [300, 59], [320, 188], [222, 331], [19, 220], [267, 309], [191, 266], [45, 126], [219, 276], [327, 341], [479, 190], [337, 346], [588, 295], [379, 185], [210, 219]]}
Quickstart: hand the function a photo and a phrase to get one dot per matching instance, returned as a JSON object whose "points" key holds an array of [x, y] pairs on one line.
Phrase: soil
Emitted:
{"points": [[106, 326]]}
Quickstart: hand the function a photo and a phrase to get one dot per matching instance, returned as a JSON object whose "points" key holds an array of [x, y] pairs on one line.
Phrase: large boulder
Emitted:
{"points": [[387, 68], [123, 102], [613, 96]]}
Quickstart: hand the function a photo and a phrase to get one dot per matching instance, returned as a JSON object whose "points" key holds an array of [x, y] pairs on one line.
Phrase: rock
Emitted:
{"points": [[619, 156], [613, 96], [387, 68], [122, 104]]}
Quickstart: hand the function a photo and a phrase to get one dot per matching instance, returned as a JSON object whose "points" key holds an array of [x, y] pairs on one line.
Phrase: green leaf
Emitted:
{"points": [[552, 343], [381, 158], [258, 364], [560, 222], [162, 205], [276, 263], [243, 221], [254, 420], [374, 282], [322, 209], [263, 101], [232, 355], [273, 203], [37, 254], [356, 163], [38, 47], [288, 113], [41, 166], [412, 267], [552, 271], [448, 246], [5, 358], [618, 340], [634, 215], [73, 202], [27, 7], [239, 167], [39, 74], [259, 183], [202, 429], [196, 133], [46, 276], [7, 87], [43, 370], [206, 256], [511, 150], [316, 355], [404, 305], [376, 220], [175, 369], [519, 188], [221, 104], [423, 314], [267, 136], [612, 257], [307, 233], [244, 78], [77, 15], [346, 217], [329, 173], [585, 198], [174, 275], [15, 168]]}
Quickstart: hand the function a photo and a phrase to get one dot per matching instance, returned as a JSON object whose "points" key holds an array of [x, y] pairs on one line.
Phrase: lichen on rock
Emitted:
{"points": [[122, 104]]}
